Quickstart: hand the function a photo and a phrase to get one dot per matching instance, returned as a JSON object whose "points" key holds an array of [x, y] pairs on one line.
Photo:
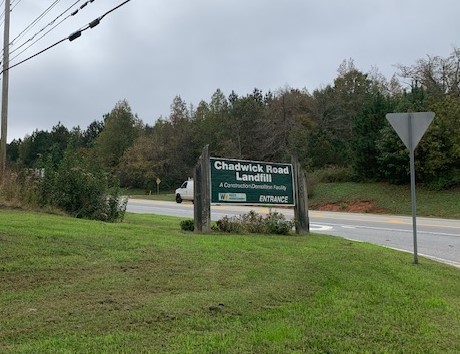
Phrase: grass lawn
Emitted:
{"points": [[76, 286], [136, 194], [388, 198]]}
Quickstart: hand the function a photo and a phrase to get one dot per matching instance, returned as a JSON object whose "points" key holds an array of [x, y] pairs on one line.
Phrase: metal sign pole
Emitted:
{"points": [[412, 188], [410, 127]]}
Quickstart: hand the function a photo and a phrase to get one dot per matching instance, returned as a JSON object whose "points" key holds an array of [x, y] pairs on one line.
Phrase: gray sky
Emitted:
{"points": [[149, 51]]}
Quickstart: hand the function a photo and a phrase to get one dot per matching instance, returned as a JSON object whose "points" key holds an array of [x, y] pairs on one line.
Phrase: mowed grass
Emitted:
{"points": [[142, 194], [391, 199], [143, 286]]}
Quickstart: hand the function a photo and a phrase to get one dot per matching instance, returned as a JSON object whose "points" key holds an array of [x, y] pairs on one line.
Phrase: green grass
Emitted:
{"points": [[141, 194], [388, 198], [143, 286]]}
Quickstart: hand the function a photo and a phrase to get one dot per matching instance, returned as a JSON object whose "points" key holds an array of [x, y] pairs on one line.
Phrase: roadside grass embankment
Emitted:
{"points": [[70, 285], [385, 198], [142, 194]]}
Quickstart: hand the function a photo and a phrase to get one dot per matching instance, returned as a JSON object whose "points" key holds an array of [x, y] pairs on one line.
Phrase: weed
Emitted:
{"points": [[187, 225]]}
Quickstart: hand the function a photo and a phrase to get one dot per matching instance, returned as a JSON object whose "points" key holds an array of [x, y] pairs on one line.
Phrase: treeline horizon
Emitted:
{"points": [[341, 125]]}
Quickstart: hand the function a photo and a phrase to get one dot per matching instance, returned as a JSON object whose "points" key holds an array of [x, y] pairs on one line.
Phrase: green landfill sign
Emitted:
{"points": [[251, 182]]}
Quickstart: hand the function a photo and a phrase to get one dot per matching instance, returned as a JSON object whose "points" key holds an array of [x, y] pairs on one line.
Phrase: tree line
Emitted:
{"points": [[342, 124]]}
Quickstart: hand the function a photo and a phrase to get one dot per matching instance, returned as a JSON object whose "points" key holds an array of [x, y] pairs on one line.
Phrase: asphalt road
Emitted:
{"points": [[437, 239]]}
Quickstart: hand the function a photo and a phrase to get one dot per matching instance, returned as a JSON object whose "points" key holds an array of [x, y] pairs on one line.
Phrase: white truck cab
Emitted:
{"points": [[185, 191]]}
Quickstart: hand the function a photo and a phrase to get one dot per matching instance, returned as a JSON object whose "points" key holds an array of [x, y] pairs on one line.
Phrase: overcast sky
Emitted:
{"points": [[149, 51]]}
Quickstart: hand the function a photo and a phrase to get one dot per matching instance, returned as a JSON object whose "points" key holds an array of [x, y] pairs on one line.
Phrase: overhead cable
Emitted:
{"points": [[34, 22], [42, 29], [72, 36], [73, 13], [14, 4]]}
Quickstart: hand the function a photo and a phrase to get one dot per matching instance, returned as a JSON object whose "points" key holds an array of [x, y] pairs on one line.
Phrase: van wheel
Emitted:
{"points": [[178, 198]]}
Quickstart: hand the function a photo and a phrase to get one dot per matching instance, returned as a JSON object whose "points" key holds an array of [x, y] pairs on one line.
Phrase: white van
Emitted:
{"points": [[185, 191]]}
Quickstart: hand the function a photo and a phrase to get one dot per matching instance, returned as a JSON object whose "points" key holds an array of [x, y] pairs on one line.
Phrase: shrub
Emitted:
{"points": [[332, 174], [252, 222], [79, 191], [276, 223], [77, 187], [445, 181], [112, 208], [230, 224], [187, 225], [311, 184], [20, 188]]}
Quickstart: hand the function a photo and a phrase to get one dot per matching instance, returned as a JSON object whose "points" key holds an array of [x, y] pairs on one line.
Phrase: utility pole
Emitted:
{"points": [[6, 60]]}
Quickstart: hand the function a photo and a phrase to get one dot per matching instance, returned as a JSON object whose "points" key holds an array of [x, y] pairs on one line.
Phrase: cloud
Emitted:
{"points": [[150, 51]]}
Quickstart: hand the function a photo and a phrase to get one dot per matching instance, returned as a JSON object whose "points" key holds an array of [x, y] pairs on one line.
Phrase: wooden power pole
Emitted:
{"points": [[6, 59]]}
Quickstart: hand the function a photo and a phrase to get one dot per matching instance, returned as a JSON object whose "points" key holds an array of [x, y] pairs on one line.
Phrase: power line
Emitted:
{"points": [[72, 36], [49, 24], [14, 4], [73, 13], [2, 15], [22, 51], [34, 22]]}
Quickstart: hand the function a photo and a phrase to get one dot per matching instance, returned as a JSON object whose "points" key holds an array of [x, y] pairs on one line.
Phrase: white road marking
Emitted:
{"points": [[316, 227]]}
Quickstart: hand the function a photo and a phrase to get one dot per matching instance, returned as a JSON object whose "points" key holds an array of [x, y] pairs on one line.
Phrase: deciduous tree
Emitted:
{"points": [[121, 128]]}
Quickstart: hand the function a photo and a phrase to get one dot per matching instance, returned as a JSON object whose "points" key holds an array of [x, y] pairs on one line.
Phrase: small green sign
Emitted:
{"points": [[251, 182]]}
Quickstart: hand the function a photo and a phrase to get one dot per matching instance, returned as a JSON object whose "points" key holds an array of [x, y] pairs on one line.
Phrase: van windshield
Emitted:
{"points": [[184, 185]]}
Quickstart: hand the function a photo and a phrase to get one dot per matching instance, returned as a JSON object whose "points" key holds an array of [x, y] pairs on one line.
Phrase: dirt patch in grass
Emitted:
{"points": [[358, 206]]}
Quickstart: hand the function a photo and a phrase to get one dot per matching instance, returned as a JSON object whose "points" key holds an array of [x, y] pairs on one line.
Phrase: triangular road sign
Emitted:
{"points": [[410, 126]]}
